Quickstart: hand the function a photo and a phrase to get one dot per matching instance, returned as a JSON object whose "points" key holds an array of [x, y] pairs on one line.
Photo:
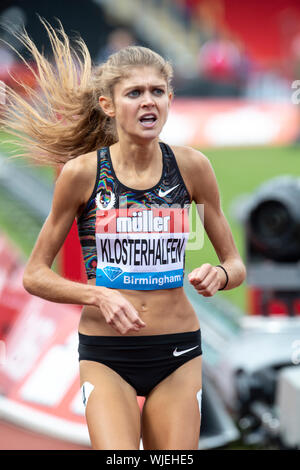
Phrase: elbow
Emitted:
{"points": [[28, 282]]}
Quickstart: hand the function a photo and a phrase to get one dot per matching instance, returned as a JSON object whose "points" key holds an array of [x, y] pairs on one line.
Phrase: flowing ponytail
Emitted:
{"points": [[62, 119]]}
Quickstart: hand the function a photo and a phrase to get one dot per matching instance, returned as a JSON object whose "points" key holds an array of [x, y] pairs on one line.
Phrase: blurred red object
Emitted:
{"points": [[277, 307], [18, 72], [12, 295]]}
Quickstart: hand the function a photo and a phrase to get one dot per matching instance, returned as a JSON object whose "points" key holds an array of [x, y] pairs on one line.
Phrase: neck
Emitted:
{"points": [[136, 156]]}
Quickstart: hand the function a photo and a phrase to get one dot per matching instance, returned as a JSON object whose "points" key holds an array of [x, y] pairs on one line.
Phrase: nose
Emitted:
{"points": [[148, 100]]}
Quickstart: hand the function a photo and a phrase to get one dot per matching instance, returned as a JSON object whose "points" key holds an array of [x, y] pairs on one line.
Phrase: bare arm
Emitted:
{"points": [[40, 280], [207, 279]]}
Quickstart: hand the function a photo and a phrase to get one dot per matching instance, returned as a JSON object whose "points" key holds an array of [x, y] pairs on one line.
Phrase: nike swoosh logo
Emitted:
{"points": [[164, 193], [178, 353]]}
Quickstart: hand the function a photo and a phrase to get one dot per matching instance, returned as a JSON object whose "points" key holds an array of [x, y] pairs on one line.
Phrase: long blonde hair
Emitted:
{"points": [[62, 119]]}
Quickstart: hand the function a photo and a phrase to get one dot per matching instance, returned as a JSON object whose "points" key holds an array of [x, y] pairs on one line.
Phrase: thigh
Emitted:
{"points": [[171, 413], [111, 408]]}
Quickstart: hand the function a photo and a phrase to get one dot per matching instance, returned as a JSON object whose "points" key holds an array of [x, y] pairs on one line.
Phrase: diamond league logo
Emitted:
{"points": [[112, 273]]}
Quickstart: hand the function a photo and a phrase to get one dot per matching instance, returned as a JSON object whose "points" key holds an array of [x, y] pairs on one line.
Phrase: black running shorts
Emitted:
{"points": [[143, 361]]}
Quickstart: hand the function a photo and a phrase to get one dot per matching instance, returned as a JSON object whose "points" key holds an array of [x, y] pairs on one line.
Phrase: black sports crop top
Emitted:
{"points": [[135, 239]]}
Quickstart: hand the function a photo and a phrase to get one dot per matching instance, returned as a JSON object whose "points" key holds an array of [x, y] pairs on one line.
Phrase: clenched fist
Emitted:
{"points": [[206, 279]]}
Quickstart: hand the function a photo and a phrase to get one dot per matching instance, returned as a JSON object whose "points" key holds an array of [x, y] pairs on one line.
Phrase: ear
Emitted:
{"points": [[107, 106], [170, 96]]}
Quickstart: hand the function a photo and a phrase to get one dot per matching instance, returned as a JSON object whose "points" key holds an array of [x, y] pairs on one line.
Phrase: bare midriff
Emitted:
{"points": [[164, 311]]}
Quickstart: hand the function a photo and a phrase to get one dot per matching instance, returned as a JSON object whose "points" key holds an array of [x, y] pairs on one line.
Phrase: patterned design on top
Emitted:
{"points": [[110, 192]]}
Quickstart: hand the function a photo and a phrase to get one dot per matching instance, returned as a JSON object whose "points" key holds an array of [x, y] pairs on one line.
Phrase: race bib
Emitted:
{"points": [[141, 248]]}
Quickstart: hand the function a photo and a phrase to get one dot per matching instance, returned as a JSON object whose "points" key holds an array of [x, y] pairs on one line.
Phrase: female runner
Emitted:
{"points": [[129, 193]]}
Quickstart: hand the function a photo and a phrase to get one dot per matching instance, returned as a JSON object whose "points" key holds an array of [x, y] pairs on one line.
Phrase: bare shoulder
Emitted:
{"points": [[189, 157], [80, 168], [77, 178], [194, 166]]}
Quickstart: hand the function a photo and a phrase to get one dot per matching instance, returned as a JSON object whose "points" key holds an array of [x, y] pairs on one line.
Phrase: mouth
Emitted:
{"points": [[148, 120]]}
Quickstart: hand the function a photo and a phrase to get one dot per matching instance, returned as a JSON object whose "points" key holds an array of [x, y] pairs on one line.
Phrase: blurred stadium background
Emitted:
{"points": [[236, 70]]}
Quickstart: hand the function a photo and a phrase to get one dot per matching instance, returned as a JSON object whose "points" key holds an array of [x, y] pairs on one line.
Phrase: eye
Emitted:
{"points": [[134, 93], [158, 91]]}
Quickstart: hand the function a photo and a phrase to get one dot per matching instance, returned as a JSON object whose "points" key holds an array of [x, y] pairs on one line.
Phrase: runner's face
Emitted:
{"points": [[141, 103]]}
